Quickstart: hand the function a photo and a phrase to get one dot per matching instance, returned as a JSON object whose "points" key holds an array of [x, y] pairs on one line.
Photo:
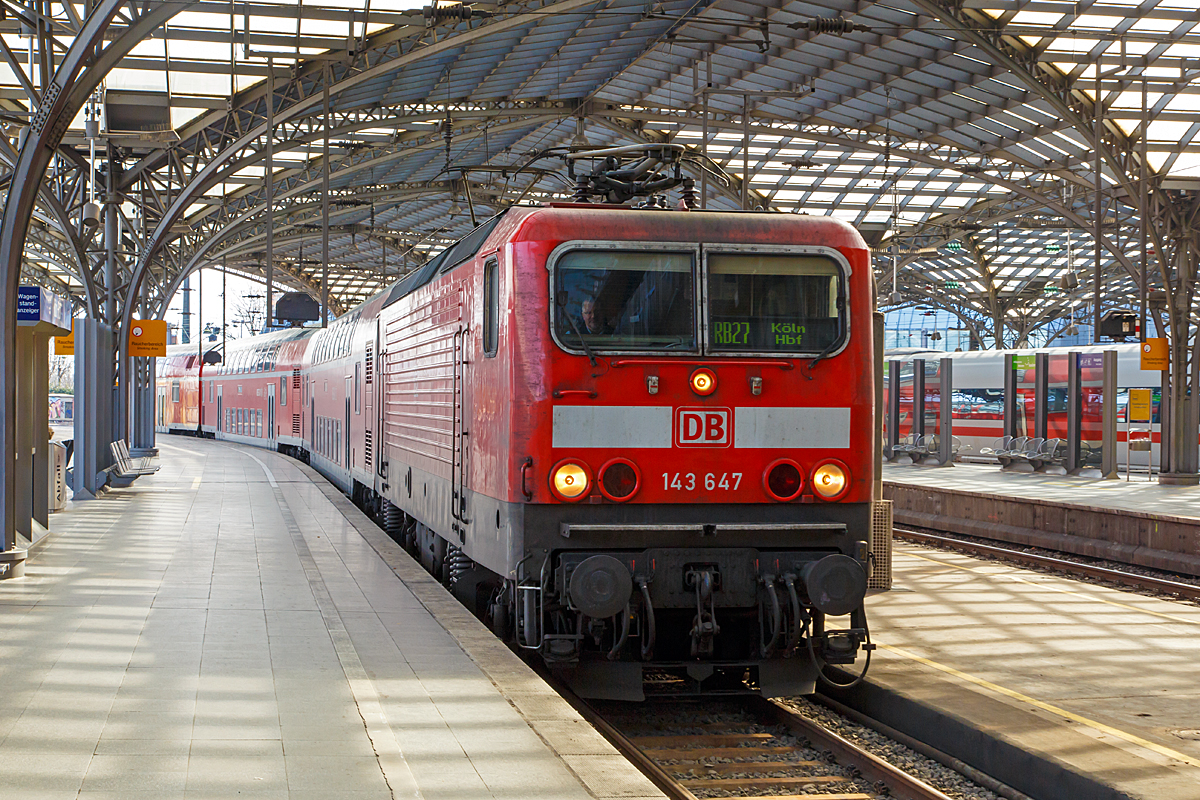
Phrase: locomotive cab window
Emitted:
{"points": [[774, 302], [624, 300]]}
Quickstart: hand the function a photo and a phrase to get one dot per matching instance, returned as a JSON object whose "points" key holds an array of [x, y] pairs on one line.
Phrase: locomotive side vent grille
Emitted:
{"points": [[367, 448], [880, 576], [296, 379], [295, 424], [369, 371]]}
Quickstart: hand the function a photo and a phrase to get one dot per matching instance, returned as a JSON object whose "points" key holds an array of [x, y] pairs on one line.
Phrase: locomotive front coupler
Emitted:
{"points": [[704, 626]]}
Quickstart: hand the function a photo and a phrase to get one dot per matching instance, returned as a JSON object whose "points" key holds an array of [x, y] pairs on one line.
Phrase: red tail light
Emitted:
{"points": [[783, 480], [619, 480]]}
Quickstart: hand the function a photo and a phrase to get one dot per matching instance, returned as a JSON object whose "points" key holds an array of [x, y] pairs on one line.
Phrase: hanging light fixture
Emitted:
{"points": [[91, 209], [580, 141]]}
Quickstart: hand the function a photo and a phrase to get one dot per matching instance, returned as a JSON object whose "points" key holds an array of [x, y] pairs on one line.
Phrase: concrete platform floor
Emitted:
{"points": [[233, 627], [1100, 678], [1148, 497]]}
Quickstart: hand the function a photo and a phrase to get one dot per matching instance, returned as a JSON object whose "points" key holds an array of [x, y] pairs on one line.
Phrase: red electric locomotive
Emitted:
{"points": [[639, 442]]}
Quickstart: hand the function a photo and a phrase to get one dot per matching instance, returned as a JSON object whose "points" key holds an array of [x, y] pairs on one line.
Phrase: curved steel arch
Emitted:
{"points": [[297, 109], [82, 68]]}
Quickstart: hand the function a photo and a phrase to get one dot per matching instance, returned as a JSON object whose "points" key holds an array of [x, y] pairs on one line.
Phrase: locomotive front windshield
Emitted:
{"points": [[772, 302], [625, 300]]}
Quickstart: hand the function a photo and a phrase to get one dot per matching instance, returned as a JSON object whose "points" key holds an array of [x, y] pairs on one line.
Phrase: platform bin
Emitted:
{"points": [[58, 476]]}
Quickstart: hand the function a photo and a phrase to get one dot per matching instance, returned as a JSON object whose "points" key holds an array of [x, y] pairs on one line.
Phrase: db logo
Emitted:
{"points": [[703, 427]]}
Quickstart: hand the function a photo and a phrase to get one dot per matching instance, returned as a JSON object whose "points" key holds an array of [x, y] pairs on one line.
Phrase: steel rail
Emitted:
{"points": [[872, 768], [888, 779], [1184, 590]]}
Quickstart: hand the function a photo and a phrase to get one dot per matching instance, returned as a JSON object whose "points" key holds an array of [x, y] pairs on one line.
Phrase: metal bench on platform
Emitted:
{"points": [[125, 469]]}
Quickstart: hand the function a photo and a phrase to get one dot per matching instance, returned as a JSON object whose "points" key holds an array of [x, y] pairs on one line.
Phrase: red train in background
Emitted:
{"points": [[639, 442]]}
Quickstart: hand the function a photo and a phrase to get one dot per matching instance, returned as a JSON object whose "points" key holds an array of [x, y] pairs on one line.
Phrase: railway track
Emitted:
{"points": [[745, 746], [1164, 585]]}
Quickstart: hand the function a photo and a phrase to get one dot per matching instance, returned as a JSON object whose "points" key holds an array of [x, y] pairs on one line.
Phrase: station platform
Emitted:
{"points": [[232, 626], [1097, 681], [1138, 521]]}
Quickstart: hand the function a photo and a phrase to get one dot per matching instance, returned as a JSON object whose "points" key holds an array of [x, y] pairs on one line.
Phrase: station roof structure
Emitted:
{"points": [[960, 137]]}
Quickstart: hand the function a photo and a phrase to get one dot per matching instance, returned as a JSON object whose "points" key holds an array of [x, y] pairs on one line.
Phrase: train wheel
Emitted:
{"points": [[499, 623]]}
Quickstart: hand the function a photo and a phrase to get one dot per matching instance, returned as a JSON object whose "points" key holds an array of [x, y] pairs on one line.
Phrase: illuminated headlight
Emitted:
{"points": [[830, 480], [704, 382], [570, 480]]}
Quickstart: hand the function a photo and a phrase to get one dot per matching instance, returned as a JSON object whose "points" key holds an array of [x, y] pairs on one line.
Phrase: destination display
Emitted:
{"points": [[772, 333]]}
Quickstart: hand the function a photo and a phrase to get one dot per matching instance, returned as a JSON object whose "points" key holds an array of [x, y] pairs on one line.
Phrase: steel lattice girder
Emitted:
{"points": [[952, 111]]}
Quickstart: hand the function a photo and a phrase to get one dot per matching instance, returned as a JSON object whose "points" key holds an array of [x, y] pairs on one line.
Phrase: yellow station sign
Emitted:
{"points": [[1154, 355], [65, 345], [148, 337], [1139, 405]]}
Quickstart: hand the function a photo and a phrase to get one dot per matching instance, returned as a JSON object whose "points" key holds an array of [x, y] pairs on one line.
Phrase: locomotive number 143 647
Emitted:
{"points": [[687, 482]]}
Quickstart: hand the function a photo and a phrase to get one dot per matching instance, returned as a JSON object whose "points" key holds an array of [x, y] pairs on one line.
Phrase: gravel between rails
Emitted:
{"points": [[933, 773], [689, 718]]}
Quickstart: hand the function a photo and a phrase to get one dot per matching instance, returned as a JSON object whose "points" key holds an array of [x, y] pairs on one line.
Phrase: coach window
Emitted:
{"points": [[174, 391], [491, 308], [764, 302], [633, 300], [283, 391]]}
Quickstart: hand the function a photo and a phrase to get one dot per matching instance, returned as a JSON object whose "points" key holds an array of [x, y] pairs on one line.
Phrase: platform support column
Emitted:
{"points": [[918, 404], [1164, 426], [118, 406], [1041, 396], [93, 403], [877, 330], [26, 435], [893, 406], [946, 416], [1074, 429], [1108, 452], [143, 403], [1010, 396], [41, 428]]}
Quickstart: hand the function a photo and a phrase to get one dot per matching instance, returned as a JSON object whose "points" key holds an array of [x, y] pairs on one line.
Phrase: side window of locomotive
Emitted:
{"points": [[491, 308], [763, 302], [625, 300]]}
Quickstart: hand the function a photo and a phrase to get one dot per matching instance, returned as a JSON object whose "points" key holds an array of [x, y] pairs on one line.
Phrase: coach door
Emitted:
{"points": [[346, 430], [458, 467], [271, 411], [220, 410], [368, 392]]}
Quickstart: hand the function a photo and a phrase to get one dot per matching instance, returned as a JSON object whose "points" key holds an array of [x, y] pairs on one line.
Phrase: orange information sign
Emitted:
{"points": [[1154, 355], [148, 337], [65, 345], [1139, 405]]}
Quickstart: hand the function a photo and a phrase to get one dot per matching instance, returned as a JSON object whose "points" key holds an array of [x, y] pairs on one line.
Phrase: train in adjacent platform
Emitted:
{"points": [[977, 399], [637, 442]]}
